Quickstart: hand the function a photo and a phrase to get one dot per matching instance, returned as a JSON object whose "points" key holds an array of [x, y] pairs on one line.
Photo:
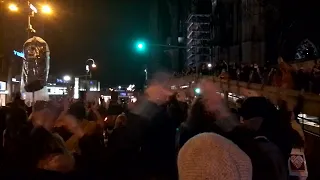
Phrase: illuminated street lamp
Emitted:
{"points": [[66, 78], [46, 9], [13, 7], [88, 70], [209, 65], [93, 65]]}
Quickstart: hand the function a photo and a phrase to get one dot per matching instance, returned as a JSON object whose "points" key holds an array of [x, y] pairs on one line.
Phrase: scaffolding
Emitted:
{"points": [[199, 37]]}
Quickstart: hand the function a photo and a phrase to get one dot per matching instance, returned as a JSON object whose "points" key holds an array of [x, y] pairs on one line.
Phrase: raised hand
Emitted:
{"points": [[158, 94], [72, 124], [212, 100]]}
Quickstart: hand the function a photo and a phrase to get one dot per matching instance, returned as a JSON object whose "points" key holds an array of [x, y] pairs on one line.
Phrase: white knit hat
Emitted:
{"points": [[209, 156]]}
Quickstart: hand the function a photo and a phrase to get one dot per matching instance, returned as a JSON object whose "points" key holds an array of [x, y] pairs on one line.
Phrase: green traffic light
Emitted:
{"points": [[197, 90], [140, 46]]}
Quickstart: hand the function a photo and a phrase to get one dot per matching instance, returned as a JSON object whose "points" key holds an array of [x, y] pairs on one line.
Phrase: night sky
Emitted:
{"points": [[104, 30]]}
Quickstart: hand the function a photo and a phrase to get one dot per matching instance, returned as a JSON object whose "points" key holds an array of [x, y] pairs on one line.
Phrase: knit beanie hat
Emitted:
{"points": [[209, 156]]}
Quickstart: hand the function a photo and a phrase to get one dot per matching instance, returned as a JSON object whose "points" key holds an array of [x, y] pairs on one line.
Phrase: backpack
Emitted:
{"points": [[267, 160]]}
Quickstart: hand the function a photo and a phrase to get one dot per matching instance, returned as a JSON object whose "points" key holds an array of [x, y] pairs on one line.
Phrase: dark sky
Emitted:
{"points": [[105, 30], [100, 29]]}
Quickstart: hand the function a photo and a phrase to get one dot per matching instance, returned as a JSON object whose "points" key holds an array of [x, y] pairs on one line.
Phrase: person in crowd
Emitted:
{"points": [[142, 139], [199, 120], [18, 102], [122, 152], [3, 115], [15, 137], [46, 152], [261, 115], [78, 111], [158, 148], [212, 157]]}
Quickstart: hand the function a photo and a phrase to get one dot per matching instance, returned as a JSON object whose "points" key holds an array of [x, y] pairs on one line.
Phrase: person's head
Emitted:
{"points": [[121, 121], [199, 117], [17, 96], [212, 157], [16, 118], [258, 113], [45, 113]]}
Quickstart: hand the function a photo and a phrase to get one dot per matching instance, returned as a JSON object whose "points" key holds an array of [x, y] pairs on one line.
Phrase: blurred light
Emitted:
{"points": [[133, 99], [46, 9], [87, 68], [145, 70], [209, 65], [13, 7], [119, 87], [34, 9], [56, 90], [66, 78], [19, 54], [94, 65], [140, 46], [76, 88], [14, 80], [93, 89], [197, 90]]}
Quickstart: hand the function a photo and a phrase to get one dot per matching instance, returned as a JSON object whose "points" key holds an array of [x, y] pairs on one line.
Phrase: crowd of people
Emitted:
{"points": [[284, 75], [161, 136]]}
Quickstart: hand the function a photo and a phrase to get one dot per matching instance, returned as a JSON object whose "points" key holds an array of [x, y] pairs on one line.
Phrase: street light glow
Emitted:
{"points": [[46, 9], [66, 78], [140, 46], [94, 65], [13, 7], [209, 65]]}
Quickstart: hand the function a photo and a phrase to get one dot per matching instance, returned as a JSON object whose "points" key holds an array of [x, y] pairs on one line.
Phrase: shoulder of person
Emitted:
{"points": [[268, 160]]}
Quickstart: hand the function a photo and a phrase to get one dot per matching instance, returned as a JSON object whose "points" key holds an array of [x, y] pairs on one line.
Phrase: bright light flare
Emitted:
{"points": [[209, 65], [94, 65], [197, 90], [46, 9], [13, 7], [66, 78]]}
